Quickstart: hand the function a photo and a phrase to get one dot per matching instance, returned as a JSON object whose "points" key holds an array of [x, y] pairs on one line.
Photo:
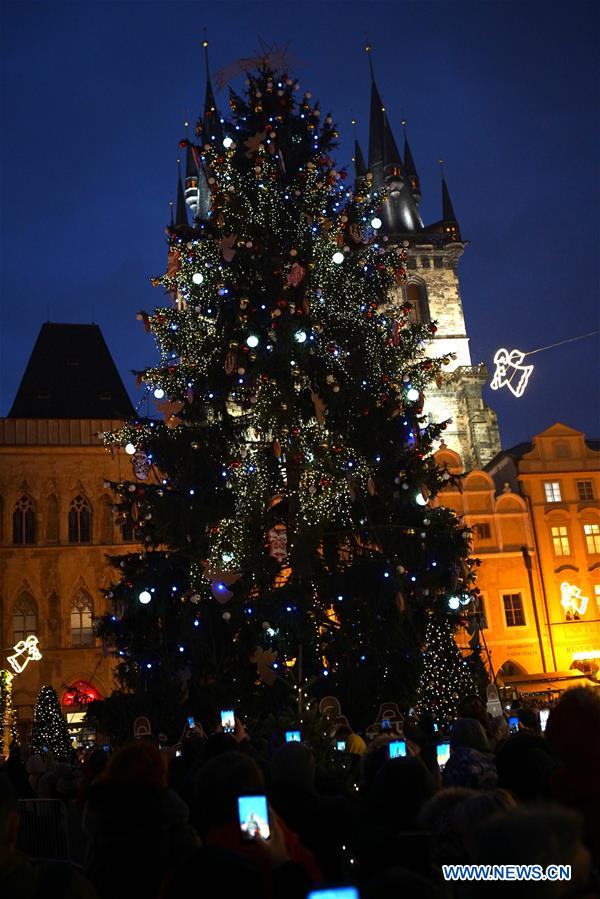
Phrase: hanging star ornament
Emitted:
{"points": [[510, 372]]}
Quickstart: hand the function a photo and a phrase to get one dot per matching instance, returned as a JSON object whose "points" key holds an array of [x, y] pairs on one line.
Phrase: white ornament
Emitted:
{"points": [[145, 597], [376, 223], [510, 372], [252, 341], [130, 449], [26, 651], [338, 258], [197, 277]]}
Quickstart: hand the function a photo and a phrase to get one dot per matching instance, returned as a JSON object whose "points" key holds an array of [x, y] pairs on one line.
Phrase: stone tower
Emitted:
{"points": [[432, 287]]}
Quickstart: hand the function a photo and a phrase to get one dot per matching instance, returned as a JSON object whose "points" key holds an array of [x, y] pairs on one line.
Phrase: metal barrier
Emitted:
{"points": [[44, 829]]}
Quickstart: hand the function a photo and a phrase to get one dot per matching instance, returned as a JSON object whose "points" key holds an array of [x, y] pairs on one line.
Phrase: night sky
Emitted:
{"points": [[93, 100]]}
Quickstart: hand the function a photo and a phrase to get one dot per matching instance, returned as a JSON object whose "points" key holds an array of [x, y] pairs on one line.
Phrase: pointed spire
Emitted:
{"points": [[211, 122], [181, 219], [448, 215], [392, 161], [376, 128], [410, 169], [191, 170], [171, 222], [360, 167]]}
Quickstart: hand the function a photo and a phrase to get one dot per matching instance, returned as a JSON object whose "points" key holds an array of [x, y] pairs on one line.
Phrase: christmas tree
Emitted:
{"points": [[49, 732], [6, 712], [289, 548], [446, 676]]}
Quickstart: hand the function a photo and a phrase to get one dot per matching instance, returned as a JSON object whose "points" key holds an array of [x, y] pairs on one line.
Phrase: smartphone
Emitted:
{"points": [[397, 749], [335, 893], [544, 713], [340, 745], [513, 724], [227, 721], [385, 723], [191, 721], [254, 817], [292, 736], [435, 727], [443, 754]]}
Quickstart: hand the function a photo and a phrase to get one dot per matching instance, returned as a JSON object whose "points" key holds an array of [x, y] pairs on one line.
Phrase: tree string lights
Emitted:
{"points": [[292, 391]]}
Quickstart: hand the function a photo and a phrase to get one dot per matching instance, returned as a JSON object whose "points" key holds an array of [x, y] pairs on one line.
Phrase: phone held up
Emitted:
{"points": [[227, 721], [335, 893], [293, 736], [254, 817], [443, 754], [397, 749], [513, 724]]}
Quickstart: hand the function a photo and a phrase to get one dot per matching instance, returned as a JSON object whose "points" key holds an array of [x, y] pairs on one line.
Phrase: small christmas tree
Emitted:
{"points": [[50, 732], [446, 678], [5, 711]]}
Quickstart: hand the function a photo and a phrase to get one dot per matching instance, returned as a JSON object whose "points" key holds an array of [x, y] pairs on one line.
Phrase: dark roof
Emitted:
{"points": [[448, 214], [360, 167], [71, 374]]}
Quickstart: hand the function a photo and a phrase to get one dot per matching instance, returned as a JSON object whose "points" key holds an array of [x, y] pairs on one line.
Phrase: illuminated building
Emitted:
{"points": [[535, 514], [56, 519]]}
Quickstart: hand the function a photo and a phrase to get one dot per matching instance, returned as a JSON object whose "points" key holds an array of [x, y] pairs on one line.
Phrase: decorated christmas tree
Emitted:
{"points": [[49, 732], [6, 711], [288, 545], [446, 677]]}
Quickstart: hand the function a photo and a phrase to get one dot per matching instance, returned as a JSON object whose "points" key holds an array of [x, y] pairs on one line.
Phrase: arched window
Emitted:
{"points": [[25, 619], [24, 521], [82, 633], [52, 519], [415, 295], [80, 520]]}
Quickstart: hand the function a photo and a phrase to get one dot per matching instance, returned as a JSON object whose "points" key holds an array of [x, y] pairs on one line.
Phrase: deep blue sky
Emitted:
{"points": [[93, 100]]}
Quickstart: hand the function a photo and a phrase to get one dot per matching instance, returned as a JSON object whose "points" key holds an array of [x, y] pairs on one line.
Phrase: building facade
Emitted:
{"points": [[535, 515], [56, 517]]}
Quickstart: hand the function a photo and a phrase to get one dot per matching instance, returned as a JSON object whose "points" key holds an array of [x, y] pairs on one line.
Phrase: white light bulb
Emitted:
{"points": [[144, 597], [227, 143], [130, 449], [159, 393], [412, 395], [197, 277], [376, 223], [338, 258], [252, 340], [420, 499], [300, 336]]}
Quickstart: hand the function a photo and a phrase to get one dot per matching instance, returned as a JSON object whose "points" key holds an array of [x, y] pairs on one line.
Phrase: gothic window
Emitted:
{"points": [[25, 620], [585, 490], [82, 633], [513, 609], [52, 519], [24, 521], [415, 295], [80, 520]]}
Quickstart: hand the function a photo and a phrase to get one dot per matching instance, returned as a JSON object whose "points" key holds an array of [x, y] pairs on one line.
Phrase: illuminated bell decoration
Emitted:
{"points": [[412, 395], [338, 258], [197, 277], [252, 341], [145, 597], [376, 223], [130, 449], [300, 336]]}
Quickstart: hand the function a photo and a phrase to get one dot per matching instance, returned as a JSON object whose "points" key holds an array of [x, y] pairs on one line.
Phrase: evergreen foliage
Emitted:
{"points": [[49, 732]]}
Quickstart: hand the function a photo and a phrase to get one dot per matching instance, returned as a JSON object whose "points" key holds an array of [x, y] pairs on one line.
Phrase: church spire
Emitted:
{"points": [[211, 121], [410, 169], [393, 169], [448, 215], [360, 166], [376, 128]]}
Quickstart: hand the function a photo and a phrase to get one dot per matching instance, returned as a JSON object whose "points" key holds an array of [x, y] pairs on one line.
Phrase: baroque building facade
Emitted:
{"points": [[535, 518], [56, 518]]}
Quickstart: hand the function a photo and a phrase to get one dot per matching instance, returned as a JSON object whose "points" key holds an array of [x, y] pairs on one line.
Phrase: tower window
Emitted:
{"points": [[80, 521], [411, 262], [415, 295], [82, 633], [552, 489], [25, 620], [592, 537], [560, 540], [513, 609], [24, 522], [585, 490], [438, 262], [483, 530], [425, 262]]}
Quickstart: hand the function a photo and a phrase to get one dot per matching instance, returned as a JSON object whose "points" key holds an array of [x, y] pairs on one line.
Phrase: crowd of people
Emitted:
{"points": [[162, 824]]}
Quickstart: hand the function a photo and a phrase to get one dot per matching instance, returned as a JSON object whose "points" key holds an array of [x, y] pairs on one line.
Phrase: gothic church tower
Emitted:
{"points": [[432, 287]]}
